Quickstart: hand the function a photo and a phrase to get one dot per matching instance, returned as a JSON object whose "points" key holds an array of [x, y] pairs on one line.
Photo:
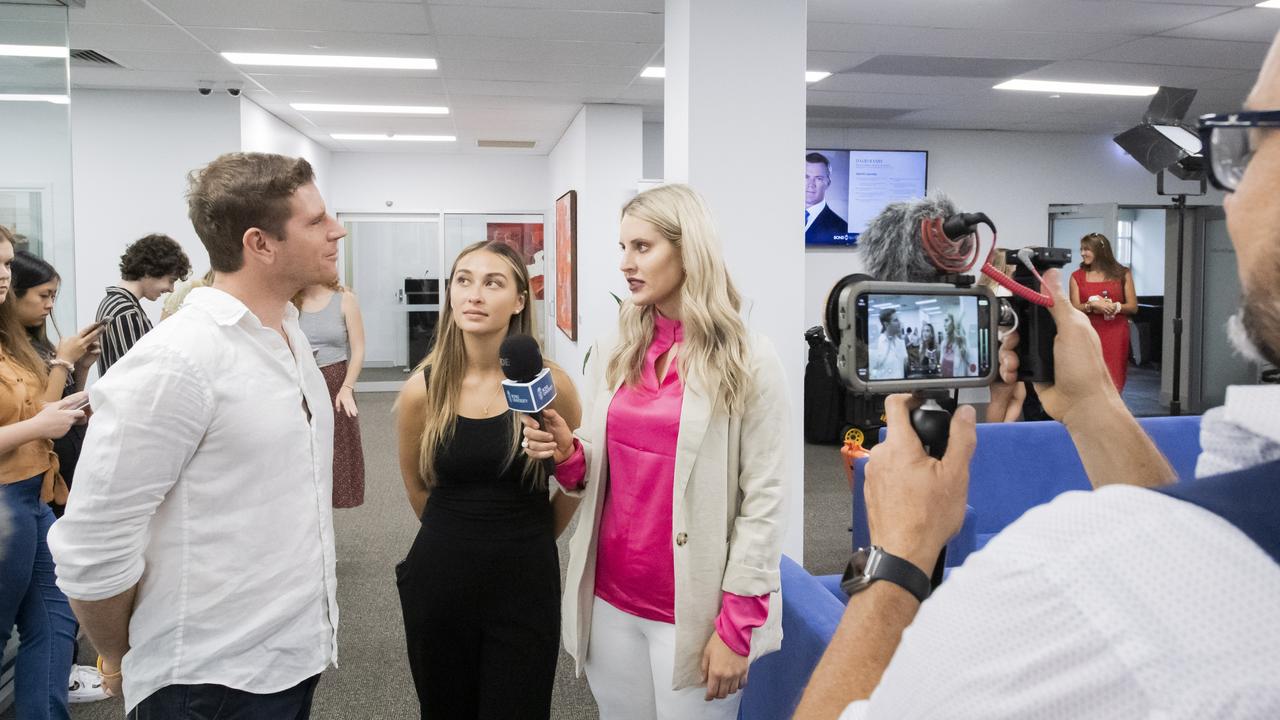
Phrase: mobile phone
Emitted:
{"points": [[902, 337], [84, 403], [105, 321]]}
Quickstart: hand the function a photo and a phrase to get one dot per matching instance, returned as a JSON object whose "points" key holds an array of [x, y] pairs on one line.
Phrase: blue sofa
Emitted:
{"points": [[1018, 466], [810, 613]]}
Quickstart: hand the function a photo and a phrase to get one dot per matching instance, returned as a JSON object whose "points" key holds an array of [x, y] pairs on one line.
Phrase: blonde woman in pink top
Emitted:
{"points": [[672, 583]]}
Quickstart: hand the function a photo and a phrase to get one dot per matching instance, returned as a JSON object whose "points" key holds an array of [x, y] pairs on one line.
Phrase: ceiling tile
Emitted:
{"points": [[548, 24], [545, 51], [108, 38], [309, 42], [1062, 16], [336, 15], [354, 89], [1178, 51], [931, 66], [1256, 24], [959, 43]]}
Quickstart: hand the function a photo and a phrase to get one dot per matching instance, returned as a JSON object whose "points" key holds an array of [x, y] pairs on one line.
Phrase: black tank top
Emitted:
{"points": [[478, 495]]}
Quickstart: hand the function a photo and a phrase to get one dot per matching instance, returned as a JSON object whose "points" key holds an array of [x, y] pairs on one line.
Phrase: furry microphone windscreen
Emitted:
{"points": [[891, 247]]}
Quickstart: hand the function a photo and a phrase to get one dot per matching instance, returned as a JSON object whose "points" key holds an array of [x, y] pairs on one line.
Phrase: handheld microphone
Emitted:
{"points": [[529, 387]]}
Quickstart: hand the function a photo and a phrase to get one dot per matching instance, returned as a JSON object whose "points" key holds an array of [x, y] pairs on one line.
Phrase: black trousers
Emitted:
{"points": [[219, 702], [482, 621]]}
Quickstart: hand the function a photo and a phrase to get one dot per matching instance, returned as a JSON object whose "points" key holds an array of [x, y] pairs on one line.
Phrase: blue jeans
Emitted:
{"points": [[29, 597], [219, 702]]}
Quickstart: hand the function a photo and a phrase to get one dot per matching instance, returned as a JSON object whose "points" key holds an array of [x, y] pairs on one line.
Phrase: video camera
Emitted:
{"points": [[943, 332]]}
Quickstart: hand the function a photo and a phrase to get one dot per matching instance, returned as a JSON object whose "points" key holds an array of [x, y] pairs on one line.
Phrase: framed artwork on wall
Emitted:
{"points": [[567, 264]]}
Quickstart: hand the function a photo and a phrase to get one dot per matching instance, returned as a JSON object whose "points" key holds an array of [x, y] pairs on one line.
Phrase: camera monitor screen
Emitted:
{"points": [[924, 337]]}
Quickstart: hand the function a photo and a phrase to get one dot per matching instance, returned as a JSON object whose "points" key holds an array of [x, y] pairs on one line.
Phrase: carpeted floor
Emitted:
{"points": [[372, 682]]}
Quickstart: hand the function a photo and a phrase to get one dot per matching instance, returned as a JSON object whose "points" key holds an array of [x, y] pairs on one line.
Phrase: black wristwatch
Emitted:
{"points": [[873, 563]]}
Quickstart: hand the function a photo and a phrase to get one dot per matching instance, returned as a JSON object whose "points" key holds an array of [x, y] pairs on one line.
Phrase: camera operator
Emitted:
{"points": [[1125, 602]]}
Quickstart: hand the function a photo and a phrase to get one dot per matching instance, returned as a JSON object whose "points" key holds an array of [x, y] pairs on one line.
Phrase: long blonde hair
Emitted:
{"points": [[446, 364], [715, 350]]}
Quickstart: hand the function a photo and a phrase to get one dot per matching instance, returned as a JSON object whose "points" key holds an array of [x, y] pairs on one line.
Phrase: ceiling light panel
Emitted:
{"points": [[55, 99], [38, 51], [1078, 88], [331, 61], [372, 109], [393, 138]]}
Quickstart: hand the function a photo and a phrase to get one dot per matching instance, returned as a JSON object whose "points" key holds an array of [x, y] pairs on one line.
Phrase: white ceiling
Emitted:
{"points": [[520, 69]]}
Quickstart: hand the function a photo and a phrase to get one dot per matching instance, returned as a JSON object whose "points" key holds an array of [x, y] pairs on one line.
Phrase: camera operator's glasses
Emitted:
{"points": [[1228, 143]]}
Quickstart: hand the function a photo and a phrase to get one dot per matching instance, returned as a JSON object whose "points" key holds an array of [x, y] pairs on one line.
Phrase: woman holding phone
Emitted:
{"points": [[673, 579], [29, 479], [480, 586]]}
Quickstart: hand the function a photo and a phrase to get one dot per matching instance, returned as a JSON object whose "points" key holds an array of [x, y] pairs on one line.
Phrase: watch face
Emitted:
{"points": [[855, 578]]}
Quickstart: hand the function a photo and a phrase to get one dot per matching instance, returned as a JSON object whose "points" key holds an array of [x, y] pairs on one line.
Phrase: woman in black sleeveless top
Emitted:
{"points": [[480, 587]]}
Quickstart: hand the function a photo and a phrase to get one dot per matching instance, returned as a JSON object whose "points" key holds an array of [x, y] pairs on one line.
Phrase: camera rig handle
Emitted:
{"points": [[932, 422]]}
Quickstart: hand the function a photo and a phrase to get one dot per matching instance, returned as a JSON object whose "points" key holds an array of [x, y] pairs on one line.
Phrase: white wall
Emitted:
{"points": [[35, 153], [260, 131], [600, 156], [415, 182], [131, 152]]}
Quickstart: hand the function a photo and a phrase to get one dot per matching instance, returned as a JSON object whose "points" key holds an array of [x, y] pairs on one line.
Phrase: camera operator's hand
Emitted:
{"points": [[914, 502], [1081, 380]]}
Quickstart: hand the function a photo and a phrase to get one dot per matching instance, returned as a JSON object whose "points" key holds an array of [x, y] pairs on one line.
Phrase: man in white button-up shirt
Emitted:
{"points": [[197, 547], [1119, 603]]}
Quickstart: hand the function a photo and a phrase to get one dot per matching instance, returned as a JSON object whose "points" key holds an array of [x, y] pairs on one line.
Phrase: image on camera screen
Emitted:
{"points": [[923, 337]]}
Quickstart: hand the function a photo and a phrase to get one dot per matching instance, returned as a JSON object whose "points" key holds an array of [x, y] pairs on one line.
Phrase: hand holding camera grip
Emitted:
{"points": [[932, 424]]}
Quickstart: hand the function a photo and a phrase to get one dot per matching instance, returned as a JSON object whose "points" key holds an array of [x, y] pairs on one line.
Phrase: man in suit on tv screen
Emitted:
{"points": [[821, 224]]}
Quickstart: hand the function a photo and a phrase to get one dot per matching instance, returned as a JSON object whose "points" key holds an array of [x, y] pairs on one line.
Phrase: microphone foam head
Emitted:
{"points": [[520, 357], [891, 246]]}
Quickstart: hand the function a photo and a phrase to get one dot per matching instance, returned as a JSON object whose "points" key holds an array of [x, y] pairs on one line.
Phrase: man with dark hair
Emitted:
{"points": [[889, 359], [148, 269], [1141, 599], [821, 223], [197, 548]]}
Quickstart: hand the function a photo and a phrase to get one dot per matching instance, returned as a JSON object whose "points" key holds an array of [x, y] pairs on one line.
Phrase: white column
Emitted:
{"points": [[735, 131]]}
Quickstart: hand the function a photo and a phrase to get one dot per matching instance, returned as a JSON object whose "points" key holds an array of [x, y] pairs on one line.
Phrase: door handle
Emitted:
{"points": [[400, 296]]}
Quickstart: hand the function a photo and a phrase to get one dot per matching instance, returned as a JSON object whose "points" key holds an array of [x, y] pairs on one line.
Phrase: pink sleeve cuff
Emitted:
{"points": [[571, 473], [740, 614]]}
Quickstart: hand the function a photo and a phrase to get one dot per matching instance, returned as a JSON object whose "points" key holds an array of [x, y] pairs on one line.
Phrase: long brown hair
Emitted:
{"points": [[13, 336], [1104, 261], [446, 365], [297, 299]]}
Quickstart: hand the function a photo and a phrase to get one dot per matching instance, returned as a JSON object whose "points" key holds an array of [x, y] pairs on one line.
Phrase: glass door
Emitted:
{"points": [[393, 262], [1215, 298]]}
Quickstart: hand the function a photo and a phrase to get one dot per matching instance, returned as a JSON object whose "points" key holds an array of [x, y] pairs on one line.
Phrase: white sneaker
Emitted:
{"points": [[85, 685]]}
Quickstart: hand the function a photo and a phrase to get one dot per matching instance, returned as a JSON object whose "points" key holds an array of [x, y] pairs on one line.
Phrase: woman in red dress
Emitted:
{"points": [[1103, 288]]}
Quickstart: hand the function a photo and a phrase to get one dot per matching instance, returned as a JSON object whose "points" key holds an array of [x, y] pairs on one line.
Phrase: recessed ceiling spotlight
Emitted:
{"points": [[1053, 86], [16, 97], [44, 51], [331, 61], [391, 137], [379, 109]]}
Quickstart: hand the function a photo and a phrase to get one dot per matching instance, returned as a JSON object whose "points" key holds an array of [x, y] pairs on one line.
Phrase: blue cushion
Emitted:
{"points": [[1018, 466], [810, 615]]}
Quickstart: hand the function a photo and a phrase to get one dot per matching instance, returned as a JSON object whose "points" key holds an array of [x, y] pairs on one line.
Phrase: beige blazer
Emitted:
{"points": [[727, 514]]}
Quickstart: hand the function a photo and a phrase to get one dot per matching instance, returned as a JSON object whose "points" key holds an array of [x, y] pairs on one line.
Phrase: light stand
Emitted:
{"points": [[1179, 204], [1161, 143]]}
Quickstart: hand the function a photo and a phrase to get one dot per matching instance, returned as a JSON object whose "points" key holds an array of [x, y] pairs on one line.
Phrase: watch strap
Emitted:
{"points": [[876, 564]]}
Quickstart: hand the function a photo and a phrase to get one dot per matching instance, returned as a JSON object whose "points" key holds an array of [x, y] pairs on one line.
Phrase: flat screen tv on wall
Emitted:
{"points": [[846, 188]]}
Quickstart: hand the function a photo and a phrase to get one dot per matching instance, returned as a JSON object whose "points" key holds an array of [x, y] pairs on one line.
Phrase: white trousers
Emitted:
{"points": [[629, 665]]}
